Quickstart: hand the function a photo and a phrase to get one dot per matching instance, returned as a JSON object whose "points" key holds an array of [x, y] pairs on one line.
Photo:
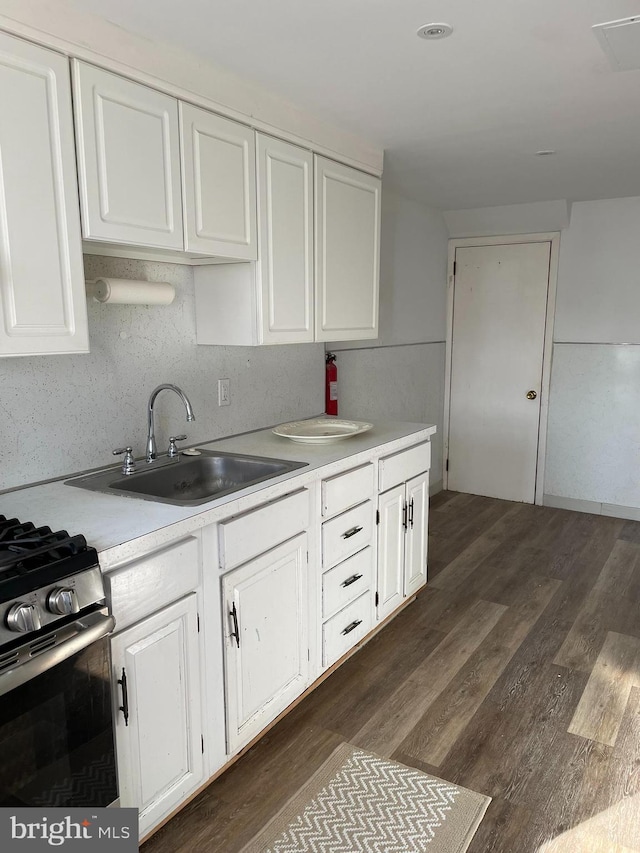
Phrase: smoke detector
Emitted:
{"points": [[620, 41], [435, 31]]}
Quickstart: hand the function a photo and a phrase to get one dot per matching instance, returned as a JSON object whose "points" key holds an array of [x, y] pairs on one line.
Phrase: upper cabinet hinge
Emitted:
{"points": [[377, 516]]}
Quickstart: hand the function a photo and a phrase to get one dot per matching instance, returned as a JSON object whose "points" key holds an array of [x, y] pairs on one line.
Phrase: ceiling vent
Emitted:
{"points": [[620, 40]]}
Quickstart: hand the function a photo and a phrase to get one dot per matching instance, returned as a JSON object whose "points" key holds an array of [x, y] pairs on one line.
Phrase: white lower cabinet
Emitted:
{"points": [[402, 542], [156, 664], [266, 638], [415, 559]]}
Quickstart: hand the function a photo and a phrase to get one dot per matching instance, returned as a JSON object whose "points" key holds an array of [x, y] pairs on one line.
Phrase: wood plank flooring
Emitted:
{"points": [[515, 673]]}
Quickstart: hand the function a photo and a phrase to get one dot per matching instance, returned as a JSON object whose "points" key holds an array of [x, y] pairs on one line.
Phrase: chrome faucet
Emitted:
{"points": [[151, 434]]}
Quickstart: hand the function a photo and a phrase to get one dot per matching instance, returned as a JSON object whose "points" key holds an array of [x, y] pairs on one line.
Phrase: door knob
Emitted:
{"points": [[531, 395]]}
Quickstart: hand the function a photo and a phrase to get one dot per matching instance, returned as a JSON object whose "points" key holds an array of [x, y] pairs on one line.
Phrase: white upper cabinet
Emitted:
{"points": [[347, 251], [219, 179], [43, 306], [285, 270], [128, 160]]}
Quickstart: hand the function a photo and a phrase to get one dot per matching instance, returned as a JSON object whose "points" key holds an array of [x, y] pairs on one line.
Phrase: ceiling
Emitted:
{"points": [[460, 119]]}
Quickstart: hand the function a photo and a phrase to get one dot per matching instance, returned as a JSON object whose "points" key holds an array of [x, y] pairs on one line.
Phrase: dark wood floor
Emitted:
{"points": [[516, 673]]}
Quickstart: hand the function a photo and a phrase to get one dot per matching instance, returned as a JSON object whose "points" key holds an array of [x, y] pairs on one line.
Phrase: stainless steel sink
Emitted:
{"points": [[188, 480]]}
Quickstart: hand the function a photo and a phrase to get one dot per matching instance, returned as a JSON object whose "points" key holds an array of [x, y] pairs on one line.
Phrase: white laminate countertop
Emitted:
{"points": [[122, 528]]}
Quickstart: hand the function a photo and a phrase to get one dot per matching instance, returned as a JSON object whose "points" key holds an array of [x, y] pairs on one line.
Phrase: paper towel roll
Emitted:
{"points": [[124, 291]]}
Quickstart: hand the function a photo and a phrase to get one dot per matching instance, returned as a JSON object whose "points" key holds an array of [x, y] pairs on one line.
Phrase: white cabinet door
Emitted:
{"points": [[219, 185], [266, 638], [285, 214], [159, 752], [391, 545], [415, 575], [347, 251], [129, 160], [43, 305]]}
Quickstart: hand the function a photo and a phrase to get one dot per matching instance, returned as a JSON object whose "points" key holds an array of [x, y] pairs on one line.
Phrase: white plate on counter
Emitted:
{"points": [[321, 430]]}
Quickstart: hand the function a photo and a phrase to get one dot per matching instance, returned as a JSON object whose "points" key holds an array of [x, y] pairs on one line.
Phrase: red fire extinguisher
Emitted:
{"points": [[331, 387]]}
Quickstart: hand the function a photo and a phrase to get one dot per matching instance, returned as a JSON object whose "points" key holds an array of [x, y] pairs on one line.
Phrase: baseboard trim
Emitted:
{"points": [[631, 513], [435, 487]]}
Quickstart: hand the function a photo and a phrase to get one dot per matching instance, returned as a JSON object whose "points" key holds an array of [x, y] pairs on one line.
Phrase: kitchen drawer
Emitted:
{"points": [[404, 465], [346, 629], [347, 533], [346, 581], [245, 536], [348, 489], [139, 589]]}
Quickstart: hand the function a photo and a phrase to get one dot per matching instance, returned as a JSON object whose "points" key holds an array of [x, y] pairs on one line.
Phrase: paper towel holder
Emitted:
{"points": [[120, 291]]}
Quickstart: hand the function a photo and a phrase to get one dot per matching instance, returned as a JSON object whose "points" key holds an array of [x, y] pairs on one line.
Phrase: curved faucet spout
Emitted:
{"points": [[151, 433]]}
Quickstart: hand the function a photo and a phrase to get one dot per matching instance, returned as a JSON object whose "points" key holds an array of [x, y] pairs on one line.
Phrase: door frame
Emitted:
{"points": [[552, 237]]}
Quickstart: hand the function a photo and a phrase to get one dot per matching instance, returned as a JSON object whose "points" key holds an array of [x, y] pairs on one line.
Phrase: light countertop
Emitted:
{"points": [[121, 528]]}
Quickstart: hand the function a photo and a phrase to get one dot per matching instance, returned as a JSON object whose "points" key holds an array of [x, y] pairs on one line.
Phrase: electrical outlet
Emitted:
{"points": [[224, 398]]}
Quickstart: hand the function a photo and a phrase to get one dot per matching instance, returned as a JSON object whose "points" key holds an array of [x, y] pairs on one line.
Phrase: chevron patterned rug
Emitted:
{"points": [[360, 803]]}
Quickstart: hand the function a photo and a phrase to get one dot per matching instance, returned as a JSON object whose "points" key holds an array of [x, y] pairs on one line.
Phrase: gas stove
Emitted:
{"points": [[56, 724], [47, 578]]}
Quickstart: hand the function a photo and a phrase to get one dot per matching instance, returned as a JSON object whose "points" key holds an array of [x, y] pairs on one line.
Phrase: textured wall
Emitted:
{"points": [[62, 414], [593, 450], [401, 375], [593, 438], [396, 383]]}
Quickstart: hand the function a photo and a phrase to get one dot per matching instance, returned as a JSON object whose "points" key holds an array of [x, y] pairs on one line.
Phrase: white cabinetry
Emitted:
{"points": [[347, 252], [157, 679], [157, 666], [348, 559], [276, 300], [219, 178], [128, 159], [403, 507], [267, 658], [285, 270], [42, 296], [270, 302]]}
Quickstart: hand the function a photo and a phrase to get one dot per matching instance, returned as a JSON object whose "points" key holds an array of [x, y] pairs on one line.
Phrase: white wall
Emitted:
{"points": [[593, 451], [400, 376], [62, 414]]}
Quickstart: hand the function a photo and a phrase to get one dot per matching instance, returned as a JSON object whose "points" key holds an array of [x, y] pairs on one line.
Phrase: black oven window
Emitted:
{"points": [[56, 738]]}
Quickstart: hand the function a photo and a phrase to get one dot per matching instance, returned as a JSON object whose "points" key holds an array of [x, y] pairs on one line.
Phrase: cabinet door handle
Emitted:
{"points": [[236, 630], [125, 697], [411, 513], [351, 580], [404, 515], [352, 626], [352, 532]]}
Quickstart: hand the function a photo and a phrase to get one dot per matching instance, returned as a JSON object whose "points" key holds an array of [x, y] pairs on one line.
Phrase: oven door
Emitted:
{"points": [[56, 734]]}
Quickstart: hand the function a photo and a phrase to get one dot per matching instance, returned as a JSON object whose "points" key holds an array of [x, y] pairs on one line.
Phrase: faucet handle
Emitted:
{"points": [[173, 450], [128, 463]]}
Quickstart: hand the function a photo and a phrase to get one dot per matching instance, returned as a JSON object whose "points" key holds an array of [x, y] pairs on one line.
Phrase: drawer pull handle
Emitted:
{"points": [[351, 580], [352, 626], [349, 533], [236, 630]]}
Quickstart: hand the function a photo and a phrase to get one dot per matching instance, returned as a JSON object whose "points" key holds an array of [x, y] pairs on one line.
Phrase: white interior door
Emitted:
{"points": [[499, 315]]}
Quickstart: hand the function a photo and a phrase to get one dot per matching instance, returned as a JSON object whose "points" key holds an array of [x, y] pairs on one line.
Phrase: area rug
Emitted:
{"points": [[358, 802]]}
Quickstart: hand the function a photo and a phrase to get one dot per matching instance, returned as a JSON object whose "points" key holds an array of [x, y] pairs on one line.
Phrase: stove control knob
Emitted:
{"points": [[62, 601], [23, 618]]}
